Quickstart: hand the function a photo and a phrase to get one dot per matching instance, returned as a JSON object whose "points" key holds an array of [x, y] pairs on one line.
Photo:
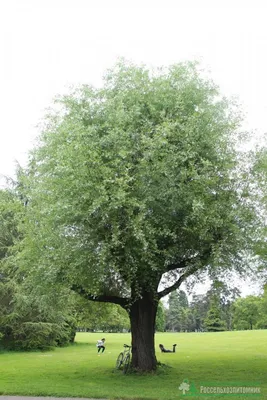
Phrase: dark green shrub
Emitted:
{"points": [[36, 336], [31, 336]]}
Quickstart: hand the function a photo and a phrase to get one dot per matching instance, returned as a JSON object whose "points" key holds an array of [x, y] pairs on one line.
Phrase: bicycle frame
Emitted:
{"points": [[124, 359], [126, 350]]}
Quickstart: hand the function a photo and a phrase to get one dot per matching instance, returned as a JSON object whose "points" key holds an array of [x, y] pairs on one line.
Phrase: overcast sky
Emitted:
{"points": [[47, 45]]}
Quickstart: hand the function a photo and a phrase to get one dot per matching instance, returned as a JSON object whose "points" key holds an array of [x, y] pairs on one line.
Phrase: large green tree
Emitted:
{"points": [[133, 188]]}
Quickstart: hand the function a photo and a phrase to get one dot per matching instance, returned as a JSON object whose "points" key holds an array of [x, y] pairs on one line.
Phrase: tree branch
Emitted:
{"points": [[122, 301], [179, 265], [178, 283], [184, 263], [191, 270]]}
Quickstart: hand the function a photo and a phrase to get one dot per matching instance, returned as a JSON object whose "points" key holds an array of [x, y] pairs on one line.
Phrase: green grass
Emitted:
{"points": [[77, 371]]}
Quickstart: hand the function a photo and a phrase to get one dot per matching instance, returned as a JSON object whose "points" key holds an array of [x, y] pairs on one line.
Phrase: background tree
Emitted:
{"points": [[106, 317], [133, 185], [199, 307], [214, 322], [246, 312], [160, 318], [30, 318], [262, 322], [177, 311], [224, 296]]}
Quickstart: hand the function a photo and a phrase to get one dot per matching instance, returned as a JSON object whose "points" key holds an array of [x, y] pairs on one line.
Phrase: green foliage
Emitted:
{"points": [[246, 312], [199, 308], [11, 211], [214, 322], [117, 321], [30, 318], [7, 290], [262, 321], [93, 316], [35, 336], [66, 331], [224, 296], [191, 317], [133, 177], [25, 324], [177, 314], [160, 318], [132, 186], [32, 336]]}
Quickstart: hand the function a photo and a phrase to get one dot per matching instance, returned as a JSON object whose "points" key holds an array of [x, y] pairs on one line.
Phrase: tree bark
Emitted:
{"points": [[143, 316]]}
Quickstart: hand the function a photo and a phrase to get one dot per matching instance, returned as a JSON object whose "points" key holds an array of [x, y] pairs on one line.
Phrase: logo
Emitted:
{"points": [[190, 389], [185, 387]]}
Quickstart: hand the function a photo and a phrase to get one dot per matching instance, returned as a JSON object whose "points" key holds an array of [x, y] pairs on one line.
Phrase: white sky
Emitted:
{"points": [[47, 45]]}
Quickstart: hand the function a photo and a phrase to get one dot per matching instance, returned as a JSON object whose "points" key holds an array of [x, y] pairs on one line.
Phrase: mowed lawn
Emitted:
{"points": [[232, 358]]}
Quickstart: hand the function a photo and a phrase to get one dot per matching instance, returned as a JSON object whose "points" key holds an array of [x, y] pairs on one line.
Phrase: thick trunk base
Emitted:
{"points": [[142, 317]]}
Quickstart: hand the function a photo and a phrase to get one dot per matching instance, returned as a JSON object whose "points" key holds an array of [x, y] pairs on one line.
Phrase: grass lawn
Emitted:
{"points": [[239, 358]]}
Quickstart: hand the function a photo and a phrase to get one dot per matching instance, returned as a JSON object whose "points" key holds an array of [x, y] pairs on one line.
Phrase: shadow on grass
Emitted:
{"points": [[162, 369]]}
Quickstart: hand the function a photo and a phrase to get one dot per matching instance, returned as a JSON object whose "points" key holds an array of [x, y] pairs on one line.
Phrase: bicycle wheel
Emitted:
{"points": [[119, 361], [126, 364]]}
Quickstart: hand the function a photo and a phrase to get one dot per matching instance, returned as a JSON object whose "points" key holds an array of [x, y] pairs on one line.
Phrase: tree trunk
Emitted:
{"points": [[143, 317]]}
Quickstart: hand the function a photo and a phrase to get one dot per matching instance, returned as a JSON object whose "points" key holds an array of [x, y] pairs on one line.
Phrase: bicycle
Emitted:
{"points": [[124, 359]]}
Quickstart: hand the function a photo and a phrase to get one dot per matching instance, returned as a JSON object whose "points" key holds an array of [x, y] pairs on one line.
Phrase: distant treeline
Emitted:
{"points": [[219, 309]]}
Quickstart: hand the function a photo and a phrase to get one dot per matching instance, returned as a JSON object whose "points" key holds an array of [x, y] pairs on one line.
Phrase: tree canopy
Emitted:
{"points": [[133, 188]]}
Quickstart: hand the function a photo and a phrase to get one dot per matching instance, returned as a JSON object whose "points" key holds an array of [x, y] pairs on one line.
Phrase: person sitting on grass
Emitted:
{"points": [[100, 345], [163, 350]]}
